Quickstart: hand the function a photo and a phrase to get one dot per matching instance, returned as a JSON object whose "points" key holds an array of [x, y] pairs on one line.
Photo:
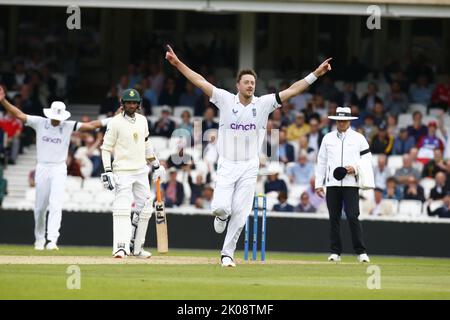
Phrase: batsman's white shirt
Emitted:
{"points": [[242, 129], [52, 144], [241, 133], [127, 138]]}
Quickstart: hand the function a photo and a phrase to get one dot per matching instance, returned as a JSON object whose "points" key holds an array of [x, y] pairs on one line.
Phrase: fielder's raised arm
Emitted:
{"points": [[93, 125], [16, 112], [198, 80], [301, 85]]}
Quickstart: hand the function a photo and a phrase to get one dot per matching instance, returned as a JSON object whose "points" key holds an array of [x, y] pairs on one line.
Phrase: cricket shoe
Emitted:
{"points": [[334, 257], [143, 254], [228, 262], [52, 246], [220, 224], [363, 258], [120, 254], [39, 245]]}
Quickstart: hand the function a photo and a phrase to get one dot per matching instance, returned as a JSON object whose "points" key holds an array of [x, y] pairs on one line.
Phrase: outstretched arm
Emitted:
{"points": [[92, 125], [198, 80], [301, 85], [16, 112]]}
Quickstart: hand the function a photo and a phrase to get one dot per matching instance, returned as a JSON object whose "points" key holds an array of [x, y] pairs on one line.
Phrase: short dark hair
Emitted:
{"points": [[282, 196], [391, 179], [244, 72]]}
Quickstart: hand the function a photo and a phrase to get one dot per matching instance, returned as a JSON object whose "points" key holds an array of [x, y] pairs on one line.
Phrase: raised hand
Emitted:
{"points": [[323, 68], [2, 93], [171, 56]]}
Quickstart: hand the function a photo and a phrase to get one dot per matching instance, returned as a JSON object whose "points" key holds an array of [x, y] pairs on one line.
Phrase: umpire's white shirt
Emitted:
{"points": [[52, 143], [339, 150]]}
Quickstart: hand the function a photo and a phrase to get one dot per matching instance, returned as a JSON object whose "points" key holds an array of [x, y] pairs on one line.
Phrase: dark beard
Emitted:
{"points": [[130, 113]]}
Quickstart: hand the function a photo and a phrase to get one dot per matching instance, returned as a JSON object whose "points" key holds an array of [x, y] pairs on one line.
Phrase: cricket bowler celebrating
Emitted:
{"points": [[242, 125], [52, 145], [127, 139]]}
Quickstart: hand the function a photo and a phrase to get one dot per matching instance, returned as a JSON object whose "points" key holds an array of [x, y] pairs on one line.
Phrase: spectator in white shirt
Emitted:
{"points": [[381, 172], [378, 206]]}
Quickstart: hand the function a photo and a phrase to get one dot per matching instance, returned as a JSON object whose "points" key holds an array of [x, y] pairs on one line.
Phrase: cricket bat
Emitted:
{"points": [[161, 221]]}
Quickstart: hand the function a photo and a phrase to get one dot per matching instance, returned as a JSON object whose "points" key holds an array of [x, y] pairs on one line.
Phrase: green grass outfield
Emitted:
{"points": [[284, 276]]}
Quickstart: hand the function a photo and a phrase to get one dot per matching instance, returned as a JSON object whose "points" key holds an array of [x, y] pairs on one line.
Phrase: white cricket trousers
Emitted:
{"points": [[130, 187], [50, 180], [233, 196]]}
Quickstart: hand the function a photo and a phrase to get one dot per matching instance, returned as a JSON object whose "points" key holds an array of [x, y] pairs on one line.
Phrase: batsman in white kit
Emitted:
{"points": [[52, 145], [127, 139], [242, 127]]}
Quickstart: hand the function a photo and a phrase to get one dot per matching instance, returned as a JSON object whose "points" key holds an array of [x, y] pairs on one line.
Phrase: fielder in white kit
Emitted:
{"points": [[52, 145], [242, 126], [127, 138]]}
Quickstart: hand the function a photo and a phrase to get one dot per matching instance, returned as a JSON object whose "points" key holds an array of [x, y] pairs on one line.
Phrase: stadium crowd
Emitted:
{"points": [[391, 119]]}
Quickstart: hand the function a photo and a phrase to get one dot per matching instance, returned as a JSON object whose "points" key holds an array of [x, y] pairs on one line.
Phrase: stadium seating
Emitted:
{"points": [[435, 204], [295, 192], [383, 88], [361, 88], [394, 203], [83, 198], [159, 143], [410, 208], [272, 199], [395, 162], [404, 120], [104, 197], [178, 110], [73, 183], [157, 110], [427, 184], [93, 185], [339, 85], [418, 107]]}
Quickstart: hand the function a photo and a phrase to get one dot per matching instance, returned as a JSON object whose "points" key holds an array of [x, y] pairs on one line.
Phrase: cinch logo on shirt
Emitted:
{"points": [[244, 127], [52, 140]]}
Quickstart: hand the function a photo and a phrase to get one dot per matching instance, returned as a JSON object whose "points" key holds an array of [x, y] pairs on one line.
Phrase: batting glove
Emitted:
{"points": [[108, 180], [159, 172]]}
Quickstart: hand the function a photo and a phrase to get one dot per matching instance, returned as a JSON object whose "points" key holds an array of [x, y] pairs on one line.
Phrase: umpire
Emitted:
{"points": [[338, 164]]}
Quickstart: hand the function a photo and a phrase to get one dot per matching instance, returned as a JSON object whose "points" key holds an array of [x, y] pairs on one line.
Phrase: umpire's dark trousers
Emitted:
{"points": [[347, 198]]}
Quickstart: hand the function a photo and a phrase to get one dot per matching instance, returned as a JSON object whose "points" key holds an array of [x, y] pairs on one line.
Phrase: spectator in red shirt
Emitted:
{"points": [[441, 95], [13, 128]]}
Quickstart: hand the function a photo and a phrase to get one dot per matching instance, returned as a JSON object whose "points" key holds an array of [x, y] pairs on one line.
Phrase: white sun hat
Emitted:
{"points": [[343, 113], [57, 111], [273, 168]]}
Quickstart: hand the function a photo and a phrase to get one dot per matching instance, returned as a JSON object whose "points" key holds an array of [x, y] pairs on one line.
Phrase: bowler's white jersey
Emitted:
{"points": [[242, 129], [52, 143]]}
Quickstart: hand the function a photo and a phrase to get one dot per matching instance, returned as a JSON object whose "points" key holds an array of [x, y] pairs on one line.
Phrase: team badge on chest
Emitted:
{"points": [[135, 137]]}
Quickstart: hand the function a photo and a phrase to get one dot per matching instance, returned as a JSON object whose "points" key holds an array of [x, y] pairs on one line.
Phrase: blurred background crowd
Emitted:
{"points": [[403, 110]]}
